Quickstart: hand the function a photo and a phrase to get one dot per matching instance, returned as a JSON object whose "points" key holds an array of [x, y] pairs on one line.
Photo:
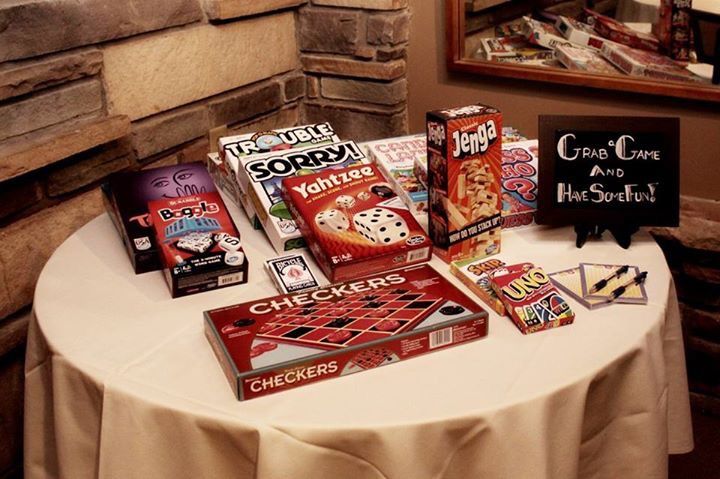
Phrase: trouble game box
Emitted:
{"points": [[262, 176], [126, 197], [396, 159], [199, 243], [464, 174], [282, 342], [354, 223]]}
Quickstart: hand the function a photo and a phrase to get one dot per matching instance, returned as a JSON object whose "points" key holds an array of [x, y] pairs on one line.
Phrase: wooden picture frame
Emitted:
{"points": [[457, 61]]}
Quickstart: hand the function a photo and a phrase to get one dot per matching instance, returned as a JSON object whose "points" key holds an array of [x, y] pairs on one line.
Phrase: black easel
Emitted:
{"points": [[622, 234]]}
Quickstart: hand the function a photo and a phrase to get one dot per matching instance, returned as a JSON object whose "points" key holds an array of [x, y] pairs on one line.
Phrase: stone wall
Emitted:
{"points": [[693, 253], [91, 87]]}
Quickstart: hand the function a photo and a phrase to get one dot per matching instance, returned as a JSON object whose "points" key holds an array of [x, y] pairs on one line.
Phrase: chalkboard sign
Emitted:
{"points": [[613, 172]]}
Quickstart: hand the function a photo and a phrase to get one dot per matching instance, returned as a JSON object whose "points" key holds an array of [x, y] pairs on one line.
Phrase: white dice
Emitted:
{"points": [[345, 201], [332, 221], [381, 226]]}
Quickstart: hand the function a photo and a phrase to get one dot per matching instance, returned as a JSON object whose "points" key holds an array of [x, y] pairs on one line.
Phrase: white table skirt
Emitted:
{"points": [[120, 382]]}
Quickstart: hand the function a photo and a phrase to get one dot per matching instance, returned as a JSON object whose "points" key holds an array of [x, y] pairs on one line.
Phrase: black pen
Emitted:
{"points": [[620, 290], [603, 282]]}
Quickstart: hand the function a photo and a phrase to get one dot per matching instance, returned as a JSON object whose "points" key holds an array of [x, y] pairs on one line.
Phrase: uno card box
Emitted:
{"points": [[233, 148], [475, 274], [264, 174], [126, 197], [519, 183], [199, 243], [530, 298], [396, 159], [279, 343], [464, 175], [354, 223]]}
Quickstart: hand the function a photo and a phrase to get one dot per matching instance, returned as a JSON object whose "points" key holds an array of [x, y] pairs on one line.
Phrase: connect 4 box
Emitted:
{"points": [[274, 344], [464, 174], [199, 243], [354, 223]]}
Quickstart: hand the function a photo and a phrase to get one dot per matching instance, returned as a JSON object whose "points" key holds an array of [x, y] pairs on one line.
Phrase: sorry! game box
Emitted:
{"points": [[278, 343], [354, 223]]}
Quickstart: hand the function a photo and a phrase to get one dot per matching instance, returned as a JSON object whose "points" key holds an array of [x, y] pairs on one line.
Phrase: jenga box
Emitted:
{"points": [[672, 28], [354, 223], [530, 298], [464, 175], [232, 149], [519, 183], [396, 159], [264, 174], [199, 243]]}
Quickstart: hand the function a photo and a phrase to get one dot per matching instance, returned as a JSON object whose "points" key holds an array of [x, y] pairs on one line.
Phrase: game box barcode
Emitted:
{"points": [[230, 279], [278, 343], [441, 338]]}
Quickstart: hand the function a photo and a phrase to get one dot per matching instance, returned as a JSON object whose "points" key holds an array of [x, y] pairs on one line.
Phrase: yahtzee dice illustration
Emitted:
{"points": [[345, 201], [380, 225], [332, 221]]}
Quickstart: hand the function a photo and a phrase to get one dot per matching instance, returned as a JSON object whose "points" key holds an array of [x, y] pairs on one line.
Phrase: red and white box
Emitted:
{"points": [[582, 59], [354, 223], [274, 344], [645, 63], [618, 32], [464, 175], [542, 34], [579, 33], [199, 244]]}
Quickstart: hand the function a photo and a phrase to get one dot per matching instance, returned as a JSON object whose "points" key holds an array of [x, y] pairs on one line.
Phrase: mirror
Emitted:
{"points": [[492, 37]]}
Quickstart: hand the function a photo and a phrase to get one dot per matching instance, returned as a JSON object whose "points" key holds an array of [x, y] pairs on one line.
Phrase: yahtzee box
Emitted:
{"points": [[464, 173], [354, 223], [274, 344], [199, 243]]}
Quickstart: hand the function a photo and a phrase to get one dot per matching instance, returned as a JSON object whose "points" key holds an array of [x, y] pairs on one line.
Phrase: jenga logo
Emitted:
{"points": [[474, 142], [436, 134]]}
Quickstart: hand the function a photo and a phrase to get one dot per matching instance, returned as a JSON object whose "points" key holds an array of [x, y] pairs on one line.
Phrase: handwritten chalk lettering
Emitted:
{"points": [[597, 193], [616, 172], [622, 148], [567, 151], [624, 151]]}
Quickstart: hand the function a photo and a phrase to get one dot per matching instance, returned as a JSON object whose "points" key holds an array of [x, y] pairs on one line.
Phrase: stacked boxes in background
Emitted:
{"points": [[232, 148], [396, 159], [673, 28], [464, 175], [261, 177], [519, 183]]}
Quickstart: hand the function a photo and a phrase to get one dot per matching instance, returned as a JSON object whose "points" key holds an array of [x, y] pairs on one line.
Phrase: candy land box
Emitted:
{"points": [[282, 342], [232, 148], [464, 181], [126, 197], [354, 223], [519, 183], [475, 274], [396, 159], [530, 298], [263, 175], [199, 243]]}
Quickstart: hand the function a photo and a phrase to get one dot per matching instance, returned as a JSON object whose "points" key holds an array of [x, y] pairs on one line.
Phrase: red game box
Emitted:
{"points": [[530, 299], [282, 342], [199, 243], [618, 32], [672, 28], [464, 174], [354, 223]]}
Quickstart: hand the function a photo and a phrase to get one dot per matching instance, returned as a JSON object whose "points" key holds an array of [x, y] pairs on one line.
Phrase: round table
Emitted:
{"points": [[121, 382]]}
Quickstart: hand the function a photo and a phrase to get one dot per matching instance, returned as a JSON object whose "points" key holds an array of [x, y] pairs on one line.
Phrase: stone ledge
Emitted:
{"points": [[34, 151], [34, 27], [359, 125], [381, 93], [345, 67], [23, 256], [227, 9], [366, 4], [19, 78], [328, 30]]}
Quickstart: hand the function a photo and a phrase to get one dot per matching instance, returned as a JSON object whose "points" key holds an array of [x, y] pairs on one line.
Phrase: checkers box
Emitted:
{"points": [[464, 175], [282, 342]]}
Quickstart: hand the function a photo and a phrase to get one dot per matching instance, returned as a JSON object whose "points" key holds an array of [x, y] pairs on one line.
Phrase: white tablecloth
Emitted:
{"points": [[121, 383]]}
